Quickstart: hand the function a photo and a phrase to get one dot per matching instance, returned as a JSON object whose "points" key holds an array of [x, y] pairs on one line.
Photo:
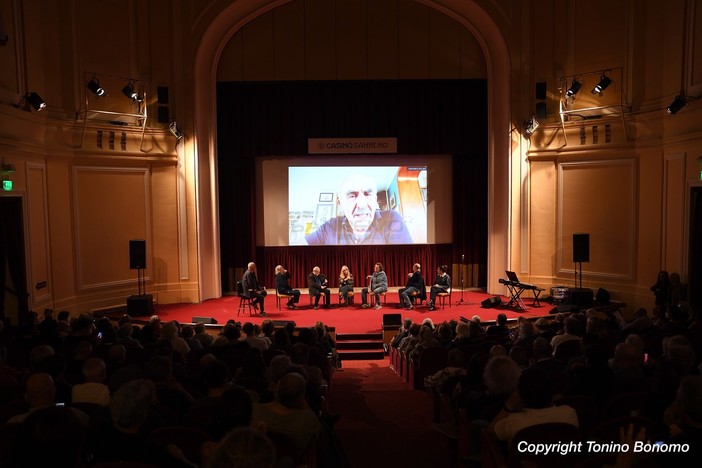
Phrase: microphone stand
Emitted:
{"points": [[460, 275]]}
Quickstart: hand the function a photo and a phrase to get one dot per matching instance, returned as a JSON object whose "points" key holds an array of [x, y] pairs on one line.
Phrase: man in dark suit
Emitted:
{"points": [[252, 289], [318, 285], [415, 285]]}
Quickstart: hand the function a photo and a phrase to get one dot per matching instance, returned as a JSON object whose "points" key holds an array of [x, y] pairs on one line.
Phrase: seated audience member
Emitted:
{"points": [[245, 447], [404, 331], [40, 394], [122, 438], [252, 339], [442, 284], [94, 389], [318, 285], [526, 335], [627, 365], [499, 329], [345, 284], [125, 336], [52, 436], [542, 357], [456, 368], [409, 341], [253, 289], [169, 332], [363, 222], [530, 405], [282, 285], [169, 391], [415, 285], [543, 329], [378, 284], [639, 323], [500, 377], [289, 411], [188, 334], [684, 421], [202, 336], [571, 328]]}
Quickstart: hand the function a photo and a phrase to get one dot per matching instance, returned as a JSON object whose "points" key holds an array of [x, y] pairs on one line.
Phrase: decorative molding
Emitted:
{"points": [[32, 233], [564, 166], [680, 177], [82, 282]]}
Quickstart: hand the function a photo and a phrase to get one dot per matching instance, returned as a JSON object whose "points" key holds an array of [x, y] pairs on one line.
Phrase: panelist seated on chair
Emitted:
{"points": [[318, 285], [345, 285], [282, 286], [378, 285], [252, 289], [414, 287], [442, 283]]}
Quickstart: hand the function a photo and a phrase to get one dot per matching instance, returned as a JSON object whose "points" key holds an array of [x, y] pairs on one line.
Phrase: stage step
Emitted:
{"points": [[360, 346]]}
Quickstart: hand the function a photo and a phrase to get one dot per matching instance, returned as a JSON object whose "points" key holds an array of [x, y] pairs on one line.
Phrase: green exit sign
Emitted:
{"points": [[7, 185], [700, 175]]}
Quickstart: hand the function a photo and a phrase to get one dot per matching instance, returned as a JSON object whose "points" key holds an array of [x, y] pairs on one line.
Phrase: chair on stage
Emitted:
{"points": [[442, 297], [349, 295], [245, 302], [279, 297]]}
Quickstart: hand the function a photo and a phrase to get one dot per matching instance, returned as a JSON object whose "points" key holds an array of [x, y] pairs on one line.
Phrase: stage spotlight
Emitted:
{"points": [[531, 125], [94, 86], [574, 88], [35, 101], [173, 127], [605, 81], [677, 104], [130, 92]]}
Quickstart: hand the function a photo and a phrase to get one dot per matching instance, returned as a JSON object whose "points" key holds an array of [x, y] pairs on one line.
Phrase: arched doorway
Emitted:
{"points": [[233, 17]]}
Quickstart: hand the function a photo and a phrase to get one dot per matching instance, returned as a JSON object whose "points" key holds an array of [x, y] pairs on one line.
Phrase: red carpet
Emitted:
{"points": [[352, 319]]}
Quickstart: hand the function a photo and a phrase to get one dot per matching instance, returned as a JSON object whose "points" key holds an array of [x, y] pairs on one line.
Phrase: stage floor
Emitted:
{"points": [[351, 319]]}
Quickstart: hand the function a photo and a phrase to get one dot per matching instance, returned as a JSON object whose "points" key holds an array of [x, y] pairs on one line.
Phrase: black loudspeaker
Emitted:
{"points": [[162, 94], [540, 90], [209, 320], [392, 320], [580, 297], [581, 248], [140, 305], [137, 254], [491, 302]]}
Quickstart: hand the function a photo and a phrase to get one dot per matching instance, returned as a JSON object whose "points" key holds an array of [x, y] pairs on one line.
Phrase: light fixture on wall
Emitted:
{"points": [[130, 92], [531, 125], [575, 86], [7, 168], [33, 99], [173, 127], [94, 86], [605, 81], [678, 103]]}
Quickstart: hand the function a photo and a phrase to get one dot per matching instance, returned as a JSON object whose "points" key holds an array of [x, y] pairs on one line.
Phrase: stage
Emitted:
{"points": [[351, 319]]}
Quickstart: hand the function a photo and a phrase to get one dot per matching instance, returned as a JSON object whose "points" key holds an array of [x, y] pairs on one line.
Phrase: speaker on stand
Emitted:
{"points": [[141, 303], [581, 253]]}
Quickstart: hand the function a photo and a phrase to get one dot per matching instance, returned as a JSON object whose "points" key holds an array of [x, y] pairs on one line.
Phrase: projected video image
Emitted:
{"points": [[357, 205]]}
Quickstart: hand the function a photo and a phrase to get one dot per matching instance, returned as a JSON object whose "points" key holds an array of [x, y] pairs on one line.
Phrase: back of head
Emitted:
{"points": [[48, 437], [299, 353], [94, 370], [40, 390], [290, 391], [501, 375], [542, 348], [571, 325], [130, 404], [689, 398]]}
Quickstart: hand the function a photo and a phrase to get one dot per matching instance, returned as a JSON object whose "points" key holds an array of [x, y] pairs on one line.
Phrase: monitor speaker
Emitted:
{"points": [[207, 320], [137, 254], [491, 302], [140, 305], [581, 297], [392, 319], [581, 248]]}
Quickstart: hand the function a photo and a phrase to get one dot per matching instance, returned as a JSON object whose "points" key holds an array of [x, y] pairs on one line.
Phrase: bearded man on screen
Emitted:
{"points": [[363, 222]]}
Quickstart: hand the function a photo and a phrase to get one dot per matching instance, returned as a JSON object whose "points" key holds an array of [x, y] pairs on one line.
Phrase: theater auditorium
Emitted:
{"points": [[304, 232]]}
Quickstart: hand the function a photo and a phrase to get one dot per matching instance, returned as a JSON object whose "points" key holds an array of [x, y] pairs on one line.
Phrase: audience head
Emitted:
{"points": [[626, 356], [462, 330], [542, 348], [279, 365], [94, 370], [48, 437], [571, 326], [501, 375], [279, 269], [129, 405], [689, 400], [216, 374], [290, 390], [40, 391]]}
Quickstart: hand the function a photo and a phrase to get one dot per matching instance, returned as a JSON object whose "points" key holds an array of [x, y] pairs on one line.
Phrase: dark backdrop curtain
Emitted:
{"points": [[276, 119]]}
